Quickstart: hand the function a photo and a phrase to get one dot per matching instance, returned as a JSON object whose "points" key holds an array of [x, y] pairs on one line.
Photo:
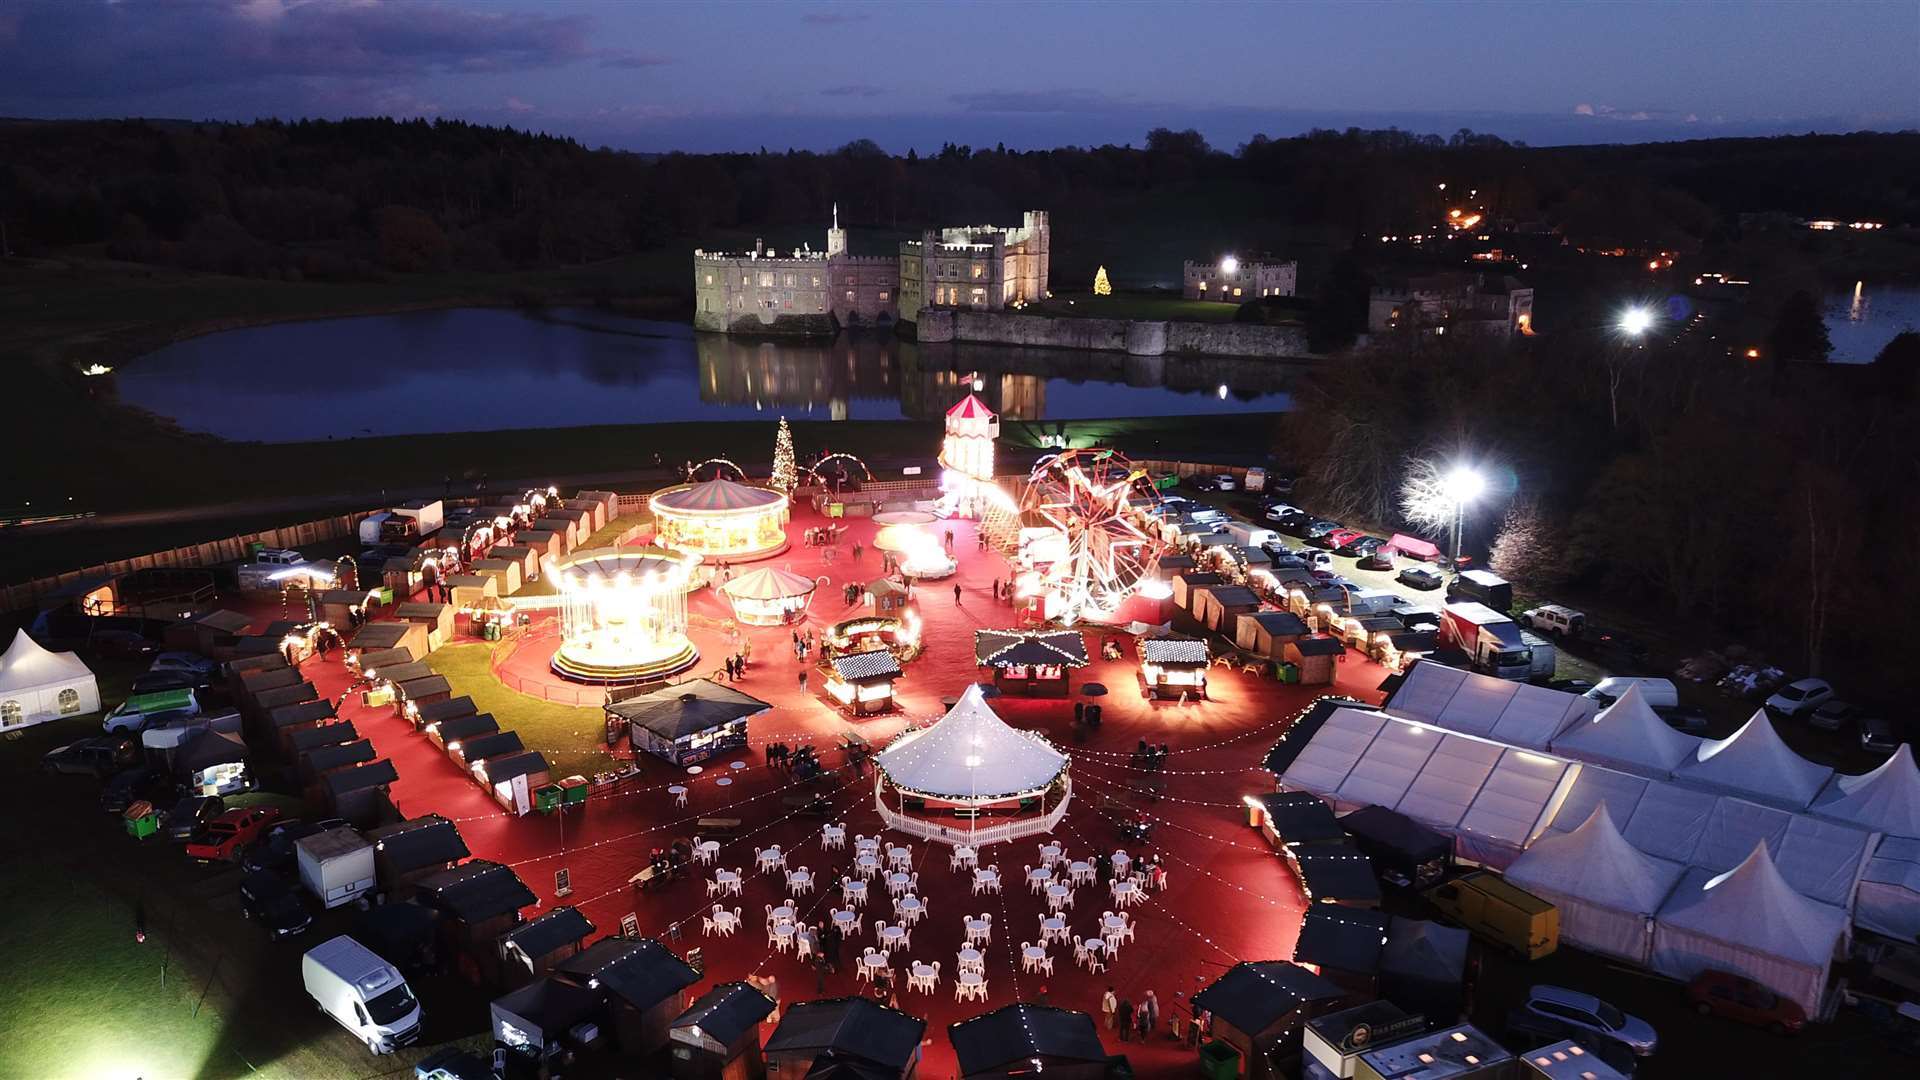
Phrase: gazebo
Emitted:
{"points": [[1036, 663], [969, 765], [769, 596], [720, 520], [687, 722]]}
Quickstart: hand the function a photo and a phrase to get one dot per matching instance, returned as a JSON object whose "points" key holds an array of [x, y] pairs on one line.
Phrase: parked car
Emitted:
{"points": [[137, 785], [1722, 993], [1334, 537], [453, 1063], [1318, 560], [154, 682], [270, 901], [1835, 714], [1878, 735], [275, 852], [99, 756], [1420, 577], [1281, 511], [1288, 562], [1377, 559], [1589, 1013], [121, 643], [1317, 527], [1225, 482], [1553, 619], [227, 834], [1799, 697], [1362, 546], [190, 815], [176, 660]]}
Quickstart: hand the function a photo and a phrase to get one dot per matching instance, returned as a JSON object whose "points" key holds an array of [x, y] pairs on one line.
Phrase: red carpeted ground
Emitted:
{"points": [[1229, 896]]}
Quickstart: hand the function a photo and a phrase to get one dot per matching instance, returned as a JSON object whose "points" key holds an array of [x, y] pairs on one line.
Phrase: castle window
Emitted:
{"points": [[766, 279], [709, 279], [1203, 286], [849, 296], [788, 304], [979, 271], [789, 281], [883, 296], [816, 281], [1236, 290]]}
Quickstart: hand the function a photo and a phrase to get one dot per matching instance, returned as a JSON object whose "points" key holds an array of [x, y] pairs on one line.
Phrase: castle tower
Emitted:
{"points": [[836, 236]]}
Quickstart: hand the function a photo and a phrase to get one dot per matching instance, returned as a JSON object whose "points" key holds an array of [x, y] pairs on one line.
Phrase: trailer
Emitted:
{"points": [[336, 865]]}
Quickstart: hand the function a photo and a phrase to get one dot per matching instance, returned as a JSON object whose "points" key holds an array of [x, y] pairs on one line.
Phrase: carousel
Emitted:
{"points": [[720, 520], [920, 554], [971, 780], [623, 615], [770, 596]]}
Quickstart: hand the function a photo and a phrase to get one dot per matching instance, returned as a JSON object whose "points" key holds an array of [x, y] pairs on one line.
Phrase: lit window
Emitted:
{"points": [[709, 279], [1236, 290], [979, 271], [849, 296], [1203, 286], [766, 280], [816, 281], [883, 296], [789, 281], [69, 700], [11, 712], [788, 304]]}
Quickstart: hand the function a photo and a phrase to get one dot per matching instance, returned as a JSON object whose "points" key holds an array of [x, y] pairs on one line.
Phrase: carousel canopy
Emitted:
{"points": [[688, 708], [970, 753], [768, 583], [717, 496], [1011, 648], [971, 408]]}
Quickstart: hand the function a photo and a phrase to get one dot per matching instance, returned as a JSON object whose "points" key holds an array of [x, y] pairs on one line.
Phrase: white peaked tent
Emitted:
{"points": [[1885, 800], [969, 755], [37, 686], [1888, 901], [1751, 922], [1628, 735], [1607, 890], [1753, 763]]}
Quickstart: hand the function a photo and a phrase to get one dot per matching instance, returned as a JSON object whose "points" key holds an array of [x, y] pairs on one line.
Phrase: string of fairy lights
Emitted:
{"points": [[1157, 901]]}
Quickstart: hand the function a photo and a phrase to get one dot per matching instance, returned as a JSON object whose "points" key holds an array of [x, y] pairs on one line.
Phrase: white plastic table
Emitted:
{"points": [[1058, 895], [987, 877], [1081, 871], [1125, 892], [727, 879], [783, 931], [1051, 853], [679, 793], [1053, 928], [897, 882], [1121, 860], [1113, 922], [1034, 952], [978, 927], [893, 937], [708, 849], [971, 957], [868, 863], [910, 907], [782, 914], [844, 918], [1039, 873], [875, 961], [966, 855], [833, 835], [855, 889], [771, 858], [799, 878], [899, 856]]}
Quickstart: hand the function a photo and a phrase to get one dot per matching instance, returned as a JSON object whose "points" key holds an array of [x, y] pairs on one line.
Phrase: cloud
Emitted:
{"points": [[833, 18], [862, 90], [1584, 109], [515, 105], [621, 58], [1038, 101], [1608, 112]]}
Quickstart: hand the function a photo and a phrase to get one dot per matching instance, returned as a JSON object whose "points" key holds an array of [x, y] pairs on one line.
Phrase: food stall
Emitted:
{"points": [[863, 682]]}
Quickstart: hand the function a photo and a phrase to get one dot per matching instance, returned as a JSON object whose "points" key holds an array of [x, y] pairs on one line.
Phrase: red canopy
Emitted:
{"points": [[1414, 547]]}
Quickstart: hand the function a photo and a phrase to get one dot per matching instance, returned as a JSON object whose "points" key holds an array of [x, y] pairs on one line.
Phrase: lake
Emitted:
{"points": [[1860, 321], [481, 369]]}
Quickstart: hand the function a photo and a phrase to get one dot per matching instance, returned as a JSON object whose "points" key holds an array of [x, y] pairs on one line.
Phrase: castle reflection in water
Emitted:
{"points": [[927, 379]]}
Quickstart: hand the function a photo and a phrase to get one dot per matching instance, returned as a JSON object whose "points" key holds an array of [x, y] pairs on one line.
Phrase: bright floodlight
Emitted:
{"points": [[1464, 485], [1229, 266], [1636, 321]]}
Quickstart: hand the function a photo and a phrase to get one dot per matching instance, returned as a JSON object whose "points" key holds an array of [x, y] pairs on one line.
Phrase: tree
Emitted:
{"points": [[1530, 547], [1101, 287], [1898, 366], [1799, 334], [785, 476], [409, 240]]}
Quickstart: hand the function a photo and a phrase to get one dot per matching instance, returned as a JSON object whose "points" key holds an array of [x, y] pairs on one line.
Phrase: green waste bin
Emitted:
{"points": [[1289, 671], [1218, 1061], [142, 820], [490, 632], [256, 547], [546, 798], [386, 594], [573, 790]]}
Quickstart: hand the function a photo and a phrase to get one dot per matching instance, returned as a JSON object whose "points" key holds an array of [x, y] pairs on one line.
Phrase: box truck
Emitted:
{"points": [[1481, 587], [336, 865], [1492, 641], [364, 993], [1506, 915]]}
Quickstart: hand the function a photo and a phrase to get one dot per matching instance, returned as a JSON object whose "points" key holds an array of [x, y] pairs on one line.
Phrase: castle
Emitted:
{"points": [[807, 292]]}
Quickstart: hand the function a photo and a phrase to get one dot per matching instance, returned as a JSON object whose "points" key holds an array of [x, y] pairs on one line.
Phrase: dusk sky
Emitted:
{"points": [[736, 76]]}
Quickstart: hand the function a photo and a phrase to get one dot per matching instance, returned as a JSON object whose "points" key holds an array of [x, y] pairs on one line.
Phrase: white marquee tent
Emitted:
{"points": [[37, 685], [1888, 900], [1628, 735], [1749, 921], [1753, 763], [1886, 800], [970, 754], [1606, 890], [1514, 713]]}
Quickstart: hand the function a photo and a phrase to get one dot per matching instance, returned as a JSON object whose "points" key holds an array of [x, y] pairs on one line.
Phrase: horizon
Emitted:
{"points": [[658, 78]]}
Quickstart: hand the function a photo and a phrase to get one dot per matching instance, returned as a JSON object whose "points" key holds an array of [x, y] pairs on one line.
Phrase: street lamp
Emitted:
{"points": [[1636, 321], [1229, 266], [1461, 486]]}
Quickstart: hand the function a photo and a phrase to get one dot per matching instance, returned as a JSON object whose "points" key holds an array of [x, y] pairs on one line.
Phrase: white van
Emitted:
{"points": [[364, 993], [1657, 693]]}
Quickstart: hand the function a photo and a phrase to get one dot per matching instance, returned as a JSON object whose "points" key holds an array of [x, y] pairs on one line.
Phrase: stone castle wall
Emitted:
{"points": [[1136, 337]]}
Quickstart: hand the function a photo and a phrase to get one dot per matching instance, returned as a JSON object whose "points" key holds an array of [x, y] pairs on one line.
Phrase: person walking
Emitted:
{"points": [[856, 551], [956, 593], [803, 680], [746, 654], [1126, 1020], [1079, 713], [1143, 1026], [1150, 1012], [1108, 1003]]}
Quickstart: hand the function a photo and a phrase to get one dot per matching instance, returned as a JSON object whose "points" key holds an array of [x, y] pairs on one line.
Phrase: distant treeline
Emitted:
{"points": [[355, 198]]}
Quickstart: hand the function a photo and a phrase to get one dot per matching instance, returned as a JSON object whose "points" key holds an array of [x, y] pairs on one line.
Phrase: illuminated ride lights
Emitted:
{"points": [[623, 615], [1081, 553]]}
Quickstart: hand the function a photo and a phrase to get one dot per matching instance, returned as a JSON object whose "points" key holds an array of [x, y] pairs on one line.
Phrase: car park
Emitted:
{"points": [[142, 711], [227, 834], [1800, 697], [1590, 1014], [1722, 993], [269, 900], [99, 756], [1834, 714], [190, 815], [1420, 577], [1878, 735]]}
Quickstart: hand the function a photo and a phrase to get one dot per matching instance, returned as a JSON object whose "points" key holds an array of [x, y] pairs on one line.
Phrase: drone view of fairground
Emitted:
{"points": [[922, 583]]}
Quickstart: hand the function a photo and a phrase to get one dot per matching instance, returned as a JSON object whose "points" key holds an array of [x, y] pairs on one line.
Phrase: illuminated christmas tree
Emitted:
{"points": [[784, 474], [1101, 287]]}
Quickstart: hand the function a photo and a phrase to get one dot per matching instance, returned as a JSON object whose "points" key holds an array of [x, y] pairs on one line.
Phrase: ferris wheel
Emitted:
{"points": [[1097, 557]]}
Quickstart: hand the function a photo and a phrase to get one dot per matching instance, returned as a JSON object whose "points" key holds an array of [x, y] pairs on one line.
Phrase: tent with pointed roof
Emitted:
{"points": [[37, 685], [1885, 800], [970, 759], [1754, 763], [1605, 888], [1749, 921], [769, 596], [1628, 735]]}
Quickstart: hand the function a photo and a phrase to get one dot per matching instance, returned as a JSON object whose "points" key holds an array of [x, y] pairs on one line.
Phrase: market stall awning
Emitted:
{"points": [[683, 709], [1173, 650], [969, 754], [1253, 996], [1012, 648], [860, 667]]}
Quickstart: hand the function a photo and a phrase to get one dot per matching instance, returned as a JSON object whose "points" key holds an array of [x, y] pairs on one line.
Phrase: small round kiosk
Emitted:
{"points": [[971, 779], [769, 596]]}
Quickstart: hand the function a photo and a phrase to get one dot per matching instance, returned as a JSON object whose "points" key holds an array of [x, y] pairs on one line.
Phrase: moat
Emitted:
{"points": [[481, 369]]}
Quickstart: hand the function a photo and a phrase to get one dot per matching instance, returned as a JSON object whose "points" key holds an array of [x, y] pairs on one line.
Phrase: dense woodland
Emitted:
{"points": [[1771, 498]]}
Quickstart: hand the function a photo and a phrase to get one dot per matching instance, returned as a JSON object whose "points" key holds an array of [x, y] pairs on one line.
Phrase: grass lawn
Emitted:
{"points": [[1125, 305], [543, 725]]}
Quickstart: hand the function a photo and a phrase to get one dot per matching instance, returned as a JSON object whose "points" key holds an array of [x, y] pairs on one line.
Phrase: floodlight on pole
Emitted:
{"points": [[1229, 266], [1462, 484], [1636, 321]]}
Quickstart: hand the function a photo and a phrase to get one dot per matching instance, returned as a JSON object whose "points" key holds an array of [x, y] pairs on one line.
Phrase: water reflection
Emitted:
{"points": [[487, 369]]}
